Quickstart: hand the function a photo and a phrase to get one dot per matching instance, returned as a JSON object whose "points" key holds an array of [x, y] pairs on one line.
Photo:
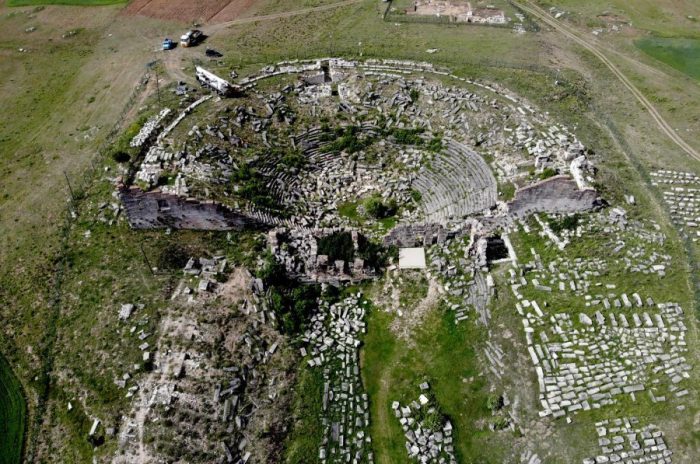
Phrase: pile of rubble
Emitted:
{"points": [[598, 343], [206, 272], [584, 365], [150, 129], [625, 441], [215, 393], [428, 434], [333, 340], [582, 276], [681, 192], [467, 289]]}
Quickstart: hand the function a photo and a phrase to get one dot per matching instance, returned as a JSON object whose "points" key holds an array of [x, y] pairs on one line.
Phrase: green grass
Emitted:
{"points": [[38, 87], [506, 191], [680, 54], [12, 415], [304, 440], [672, 287], [445, 355], [64, 2], [349, 210]]}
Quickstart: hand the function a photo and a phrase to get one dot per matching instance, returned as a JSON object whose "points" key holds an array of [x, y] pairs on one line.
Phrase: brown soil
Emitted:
{"points": [[201, 11], [233, 10]]}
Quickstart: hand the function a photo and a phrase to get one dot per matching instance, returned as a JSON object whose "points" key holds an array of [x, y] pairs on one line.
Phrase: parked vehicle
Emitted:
{"points": [[168, 44], [191, 38]]}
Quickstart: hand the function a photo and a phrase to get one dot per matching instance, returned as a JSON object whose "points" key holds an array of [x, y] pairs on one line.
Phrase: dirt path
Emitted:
{"points": [[403, 326], [382, 417], [570, 33], [172, 64]]}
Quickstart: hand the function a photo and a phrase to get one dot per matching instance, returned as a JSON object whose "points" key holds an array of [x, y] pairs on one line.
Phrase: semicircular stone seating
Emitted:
{"points": [[458, 183]]}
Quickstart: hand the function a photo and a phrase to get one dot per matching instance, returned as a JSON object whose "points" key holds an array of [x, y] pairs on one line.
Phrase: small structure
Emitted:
{"points": [[412, 258], [460, 12]]}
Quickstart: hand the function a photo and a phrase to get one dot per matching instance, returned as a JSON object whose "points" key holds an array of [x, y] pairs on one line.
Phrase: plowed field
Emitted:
{"points": [[202, 11]]}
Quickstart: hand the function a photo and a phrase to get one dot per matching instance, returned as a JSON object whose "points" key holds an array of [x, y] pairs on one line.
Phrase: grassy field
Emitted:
{"points": [[307, 433], [66, 84], [681, 54], [667, 17], [12, 415]]}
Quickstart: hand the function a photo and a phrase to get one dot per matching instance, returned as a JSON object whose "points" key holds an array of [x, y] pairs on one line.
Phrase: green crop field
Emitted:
{"points": [[681, 54], [12, 413], [63, 2]]}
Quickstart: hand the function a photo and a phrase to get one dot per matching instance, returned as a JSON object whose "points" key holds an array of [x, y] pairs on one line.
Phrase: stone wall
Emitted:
{"points": [[558, 194], [157, 210]]}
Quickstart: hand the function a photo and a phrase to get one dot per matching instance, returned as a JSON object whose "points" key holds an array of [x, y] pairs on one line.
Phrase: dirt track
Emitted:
{"points": [[568, 32]]}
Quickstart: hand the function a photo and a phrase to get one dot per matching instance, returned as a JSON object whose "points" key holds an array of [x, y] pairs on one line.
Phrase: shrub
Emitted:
{"points": [[337, 246], [121, 156], [407, 136], [292, 303], [272, 273], [547, 173], [348, 140], [172, 256], [565, 223], [435, 144], [377, 209], [500, 423], [293, 159], [252, 187], [494, 402], [374, 254], [432, 420], [163, 179]]}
